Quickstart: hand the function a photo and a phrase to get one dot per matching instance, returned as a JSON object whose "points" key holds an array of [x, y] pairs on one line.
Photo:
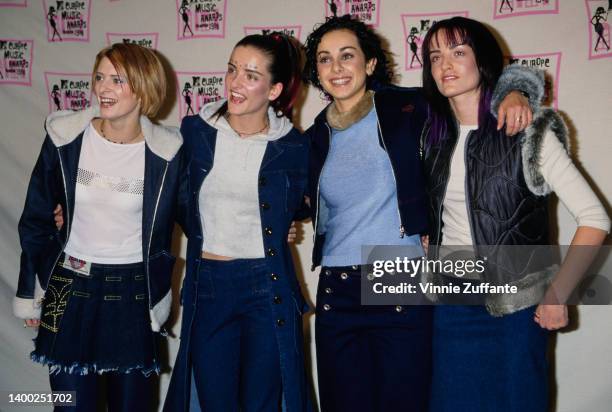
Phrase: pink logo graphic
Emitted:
{"points": [[67, 20], [16, 58], [200, 18], [76, 263], [294, 31], [68, 91], [195, 89], [551, 64], [368, 11], [142, 39], [599, 28], [14, 3], [514, 8], [416, 27]]}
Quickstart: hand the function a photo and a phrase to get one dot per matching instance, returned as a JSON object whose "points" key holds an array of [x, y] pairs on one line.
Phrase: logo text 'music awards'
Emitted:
{"points": [[68, 91], [200, 18], [293, 31], [514, 8], [368, 11], [551, 64], [197, 89], [416, 26], [16, 61], [67, 20], [148, 40]]}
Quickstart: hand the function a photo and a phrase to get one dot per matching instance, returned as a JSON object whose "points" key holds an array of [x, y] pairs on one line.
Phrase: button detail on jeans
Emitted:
{"points": [[343, 276], [326, 307], [370, 276], [274, 276], [327, 272], [264, 205], [280, 322], [271, 252], [277, 300], [354, 267], [268, 231], [398, 308], [328, 290]]}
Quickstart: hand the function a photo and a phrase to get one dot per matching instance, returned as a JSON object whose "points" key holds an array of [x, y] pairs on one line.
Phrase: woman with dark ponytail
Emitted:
{"points": [[241, 334]]}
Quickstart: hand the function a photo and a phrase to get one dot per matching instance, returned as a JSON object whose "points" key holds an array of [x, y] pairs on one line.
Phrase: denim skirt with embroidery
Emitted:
{"points": [[95, 319]]}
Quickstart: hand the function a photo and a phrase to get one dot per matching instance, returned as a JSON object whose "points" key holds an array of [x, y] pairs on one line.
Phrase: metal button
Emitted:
{"points": [[268, 231], [326, 307], [274, 276], [327, 272], [262, 181], [354, 267], [343, 276], [277, 299], [370, 276], [280, 322], [271, 252], [328, 290], [398, 308], [264, 205]]}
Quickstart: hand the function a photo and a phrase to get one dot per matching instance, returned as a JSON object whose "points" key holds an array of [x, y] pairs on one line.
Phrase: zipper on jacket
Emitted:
{"points": [[445, 190], [316, 222], [465, 189], [161, 189], [59, 155], [402, 230]]}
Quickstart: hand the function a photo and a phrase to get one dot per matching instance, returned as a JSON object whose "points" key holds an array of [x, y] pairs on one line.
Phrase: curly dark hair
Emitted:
{"points": [[370, 42]]}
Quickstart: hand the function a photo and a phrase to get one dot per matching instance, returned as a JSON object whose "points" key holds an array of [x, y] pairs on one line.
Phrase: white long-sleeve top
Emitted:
{"points": [[557, 169]]}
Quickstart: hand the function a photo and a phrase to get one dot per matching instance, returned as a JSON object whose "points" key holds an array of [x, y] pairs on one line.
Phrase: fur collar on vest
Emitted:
{"points": [[64, 126], [532, 140]]}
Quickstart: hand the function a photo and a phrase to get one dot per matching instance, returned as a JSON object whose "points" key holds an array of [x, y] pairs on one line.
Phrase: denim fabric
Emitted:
{"points": [[120, 392], [234, 350], [369, 358], [486, 363], [97, 322]]}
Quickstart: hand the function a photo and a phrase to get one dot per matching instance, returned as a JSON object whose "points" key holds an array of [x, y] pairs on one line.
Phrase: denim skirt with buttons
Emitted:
{"points": [[96, 322]]}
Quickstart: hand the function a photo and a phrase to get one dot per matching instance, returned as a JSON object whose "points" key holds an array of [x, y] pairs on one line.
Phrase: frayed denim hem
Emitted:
{"points": [[85, 369]]}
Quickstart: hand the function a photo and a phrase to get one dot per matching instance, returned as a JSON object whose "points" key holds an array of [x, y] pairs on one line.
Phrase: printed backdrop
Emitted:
{"points": [[47, 49]]}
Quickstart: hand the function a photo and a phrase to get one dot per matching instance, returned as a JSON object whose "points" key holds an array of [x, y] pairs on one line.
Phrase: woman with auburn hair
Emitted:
{"points": [[241, 333], [98, 289], [367, 188], [490, 193]]}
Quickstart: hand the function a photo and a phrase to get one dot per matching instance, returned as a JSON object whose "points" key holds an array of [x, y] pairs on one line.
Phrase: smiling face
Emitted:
{"points": [[249, 83], [114, 94], [342, 68], [454, 68]]}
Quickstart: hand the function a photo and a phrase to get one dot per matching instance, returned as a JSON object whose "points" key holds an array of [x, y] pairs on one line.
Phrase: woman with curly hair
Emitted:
{"points": [[367, 188]]}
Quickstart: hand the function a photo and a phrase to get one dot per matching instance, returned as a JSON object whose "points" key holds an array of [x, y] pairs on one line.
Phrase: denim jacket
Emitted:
{"points": [[53, 181]]}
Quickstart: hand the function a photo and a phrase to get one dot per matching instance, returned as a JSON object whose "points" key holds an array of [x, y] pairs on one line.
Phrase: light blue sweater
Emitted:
{"points": [[358, 188]]}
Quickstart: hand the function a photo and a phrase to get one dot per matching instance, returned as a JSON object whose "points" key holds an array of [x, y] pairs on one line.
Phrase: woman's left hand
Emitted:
{"points": [[515, 112], [551, 317]]}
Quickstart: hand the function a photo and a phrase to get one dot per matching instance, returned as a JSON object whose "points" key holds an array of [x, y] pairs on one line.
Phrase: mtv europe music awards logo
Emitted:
{"points": [[551, 64], [68, 91], [16, 61], [368, 11], [293, 31], [197, 89], [148, 40], [416, 26], [67, 20], [598, 12], [200, 18], [514, 8]]}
